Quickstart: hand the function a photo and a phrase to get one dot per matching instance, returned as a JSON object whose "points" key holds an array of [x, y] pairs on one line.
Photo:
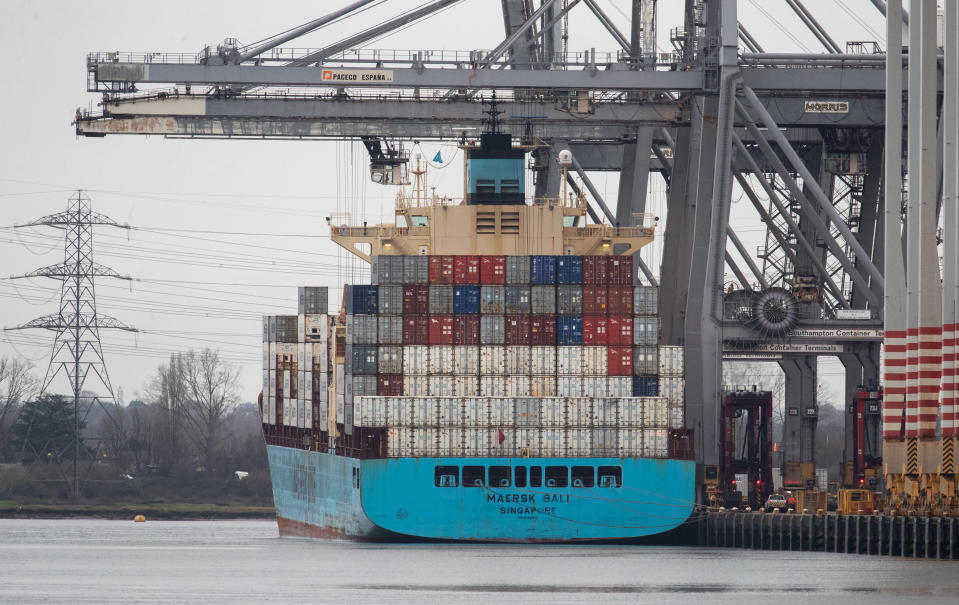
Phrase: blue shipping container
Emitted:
{"points": [[361, 300], [569, 330], [466, 300], [645, 386], [569, 270], [542, 270]]}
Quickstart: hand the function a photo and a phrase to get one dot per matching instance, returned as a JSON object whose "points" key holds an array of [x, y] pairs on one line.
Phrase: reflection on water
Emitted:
{"points": [[90, 561]]}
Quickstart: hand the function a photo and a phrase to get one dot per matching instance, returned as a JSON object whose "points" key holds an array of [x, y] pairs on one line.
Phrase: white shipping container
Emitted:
{"points": [[569, 386], [441, 360], [655, 444], [348, 419], [416, 360], [399, 411], [272, 360], [523, 442], [340, 409], [477, 412], [493, 386], [301, 414], [671, 361], [630, 442], [323, 387], [466, 360], [477, 441], [619, 386], [324, 416], [605, 412], [320, 355], [399, 442], [452, 442], [376, 411], [451, 411], [466, 386], [542, 360], [553, 442], [673, 388], [502, 412], [528, 412], [579, 441], [655, 412], [266, 382], [266, 357], [425, 412], [594, 386], [492, 359], [631, 412], [542, 386], [316, 328], [579, 411], [553, 412], [517, 386], [569, 360], [308, 385], [416, 386], [300, 383], [424, 441], [287, 392], [677, 417], [605, 441], [596, 361], [441, 386], [287, 412], [517, 359], [273, 410]]}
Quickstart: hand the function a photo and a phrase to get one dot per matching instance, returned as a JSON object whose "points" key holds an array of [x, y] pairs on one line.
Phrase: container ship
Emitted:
{"points": [[499, 380]]}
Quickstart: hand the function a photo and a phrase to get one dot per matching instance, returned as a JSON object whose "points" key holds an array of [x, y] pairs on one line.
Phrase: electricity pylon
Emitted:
{"points": [[77, 352]]}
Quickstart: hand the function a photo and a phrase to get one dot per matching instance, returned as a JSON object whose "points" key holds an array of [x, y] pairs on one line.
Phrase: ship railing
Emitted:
{"points": [[681, 445], [383, 231], [606, 231]]}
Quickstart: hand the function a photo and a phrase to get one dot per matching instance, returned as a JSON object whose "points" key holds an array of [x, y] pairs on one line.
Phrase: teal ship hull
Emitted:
{"points": [[324, 495]]}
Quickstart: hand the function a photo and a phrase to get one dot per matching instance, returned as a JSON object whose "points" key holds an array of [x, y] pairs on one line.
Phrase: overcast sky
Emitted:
{"points": [[195, 285]]}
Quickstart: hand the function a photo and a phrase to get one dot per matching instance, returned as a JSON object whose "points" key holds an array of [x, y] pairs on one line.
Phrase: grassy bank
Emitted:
{"points": [[127, 510]]}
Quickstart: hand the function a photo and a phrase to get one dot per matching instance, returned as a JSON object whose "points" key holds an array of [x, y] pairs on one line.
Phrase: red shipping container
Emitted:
{"points": [[517, 329], [493, 270], [620, 361], [620, 271], [595, 270], [441, 329], [620, 300], [595, 300], [441, 269], [595, 331], [389, 385], [542, 330], [466, 269], [416, 330], [620, 330], [466, 329], [416, 300]]}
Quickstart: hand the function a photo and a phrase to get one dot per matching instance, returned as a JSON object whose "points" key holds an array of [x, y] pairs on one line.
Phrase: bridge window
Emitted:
{"points": [[509, 186], [519, 476], [485, 186], [499, 476], [474, 476], [583, 476], [420, 221], [557, 476], [447, 476], [535, 476], [610, 476]]}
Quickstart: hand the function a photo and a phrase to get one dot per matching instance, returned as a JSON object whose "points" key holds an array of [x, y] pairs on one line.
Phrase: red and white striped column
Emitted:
{"points": [[928, 380], [894, 384], [948, 396]]}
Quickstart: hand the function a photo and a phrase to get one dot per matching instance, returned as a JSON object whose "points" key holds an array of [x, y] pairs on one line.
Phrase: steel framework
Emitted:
{"points": [[77, 352]]}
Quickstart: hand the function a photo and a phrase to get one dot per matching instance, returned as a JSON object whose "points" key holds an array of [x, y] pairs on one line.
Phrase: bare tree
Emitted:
{"points": [[18, 384], [211, 383], [168, 392]]}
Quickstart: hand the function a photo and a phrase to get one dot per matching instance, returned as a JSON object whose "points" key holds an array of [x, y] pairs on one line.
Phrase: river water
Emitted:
{"points": [[94, 561]]}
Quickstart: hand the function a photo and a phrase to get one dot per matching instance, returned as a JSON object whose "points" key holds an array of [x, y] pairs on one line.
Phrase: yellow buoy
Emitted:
{"points": [[139, 519]]}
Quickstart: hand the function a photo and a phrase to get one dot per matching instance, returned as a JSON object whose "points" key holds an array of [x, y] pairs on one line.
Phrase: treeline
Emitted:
{"points": [[183, 439]]}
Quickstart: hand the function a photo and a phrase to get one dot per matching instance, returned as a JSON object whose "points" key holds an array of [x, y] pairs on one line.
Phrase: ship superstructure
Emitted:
{"points": [[499, 379]]}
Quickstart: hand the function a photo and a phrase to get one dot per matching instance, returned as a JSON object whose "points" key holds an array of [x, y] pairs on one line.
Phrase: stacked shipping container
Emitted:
{"points": [[295, 364]]}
